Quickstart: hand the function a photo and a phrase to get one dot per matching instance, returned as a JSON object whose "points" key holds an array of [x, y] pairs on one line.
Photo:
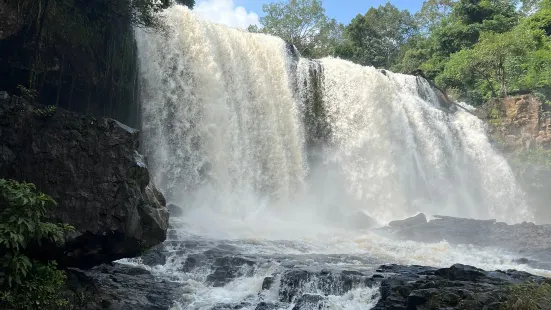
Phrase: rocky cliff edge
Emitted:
{"points": [[92, 169]]}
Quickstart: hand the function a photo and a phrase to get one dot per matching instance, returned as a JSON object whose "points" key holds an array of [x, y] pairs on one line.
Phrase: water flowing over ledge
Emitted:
{"points": [[279, 163], [234, 122]]}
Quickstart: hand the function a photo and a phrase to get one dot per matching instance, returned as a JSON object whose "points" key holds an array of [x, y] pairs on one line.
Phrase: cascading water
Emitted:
{"points": [[221, 117], [401, 154], [218, 114], [260, 146]]}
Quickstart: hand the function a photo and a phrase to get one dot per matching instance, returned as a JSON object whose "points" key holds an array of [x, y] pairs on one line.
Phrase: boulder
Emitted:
{"points": [[528, 240], [309, 301], [155, 256], [228, 268], [119, 287], [267, 306], [174, 210], [92, 169], [411, 221], [457, 287]]}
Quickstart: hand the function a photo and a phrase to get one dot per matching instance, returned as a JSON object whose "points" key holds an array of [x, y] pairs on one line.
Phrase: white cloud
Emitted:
{"points": [[225, 12]]}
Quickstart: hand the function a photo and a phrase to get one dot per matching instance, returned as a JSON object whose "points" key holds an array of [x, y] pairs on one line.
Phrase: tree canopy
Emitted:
{"points": [[376, 38], [302, 23], [475, 49]]}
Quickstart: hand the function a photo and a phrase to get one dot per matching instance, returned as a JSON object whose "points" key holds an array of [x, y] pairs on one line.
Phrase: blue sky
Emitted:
{"points": [[242, 13], [342, 10]]}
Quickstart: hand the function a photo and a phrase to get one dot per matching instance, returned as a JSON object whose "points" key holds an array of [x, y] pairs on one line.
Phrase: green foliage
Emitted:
{"points": [[432, 12], [26, 283], [41, 289], [377, 37], [483, 49], [48, 111], [530, 296], [28, 94], [302, 23], [492, 65]]}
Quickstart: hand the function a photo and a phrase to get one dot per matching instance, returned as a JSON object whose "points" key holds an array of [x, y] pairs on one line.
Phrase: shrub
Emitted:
{"points": [[26, 283], [27, 93], [529, 296], [48, 111]]}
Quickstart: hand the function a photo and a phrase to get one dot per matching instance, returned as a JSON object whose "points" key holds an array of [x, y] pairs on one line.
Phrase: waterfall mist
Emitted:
{"points": [[239, 132]]}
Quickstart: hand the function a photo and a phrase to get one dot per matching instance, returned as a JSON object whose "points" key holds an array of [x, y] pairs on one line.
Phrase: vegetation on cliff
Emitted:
{"points": [[26, 283], [528, 296], [474, 49]]}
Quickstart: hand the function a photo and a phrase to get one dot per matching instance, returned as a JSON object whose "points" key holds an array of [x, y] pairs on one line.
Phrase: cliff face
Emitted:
{"points": [[518, 123], [521, 128], [92, 169]]}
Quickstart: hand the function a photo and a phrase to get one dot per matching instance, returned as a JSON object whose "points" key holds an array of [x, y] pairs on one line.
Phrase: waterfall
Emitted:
{"points": [[234, 122]]}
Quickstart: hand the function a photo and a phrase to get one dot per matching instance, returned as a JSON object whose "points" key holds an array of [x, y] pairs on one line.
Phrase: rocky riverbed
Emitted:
{"points": [[102, 185], [194, 272], [530, 242]]}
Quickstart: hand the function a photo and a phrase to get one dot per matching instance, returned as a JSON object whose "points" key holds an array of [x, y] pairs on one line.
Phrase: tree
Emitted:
{"points": [[432, 12], [376, 38], [302, 23], [494, 65], [530, 6], [456, 30]]}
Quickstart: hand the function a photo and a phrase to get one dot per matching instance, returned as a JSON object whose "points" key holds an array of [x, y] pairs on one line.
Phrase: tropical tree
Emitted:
{"points": [[302, 23], [494, 65], [376, 38], [432, 12]]}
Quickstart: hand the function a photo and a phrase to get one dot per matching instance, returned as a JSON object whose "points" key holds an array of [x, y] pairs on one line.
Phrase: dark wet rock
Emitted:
{"points": [[292, 50], [242, 305], [412, 221], [155, 256], [222, 276], [193, 261], [292, 283], [330, 282], [267, 306], [309, 301], [267, 283], [457, 287], [174, 210], [172, 234], [4, 96], [228, 268], [93, 171], [530, 241], [304, 285], [218, 257], [522, 260], [119, 287]]}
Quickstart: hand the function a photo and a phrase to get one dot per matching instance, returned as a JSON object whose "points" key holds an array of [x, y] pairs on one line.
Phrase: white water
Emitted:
{"points": [[400, 154], [225, 118]]}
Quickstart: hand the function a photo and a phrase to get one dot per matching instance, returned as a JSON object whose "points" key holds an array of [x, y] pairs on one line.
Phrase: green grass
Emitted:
{"points": [[528, 297]]}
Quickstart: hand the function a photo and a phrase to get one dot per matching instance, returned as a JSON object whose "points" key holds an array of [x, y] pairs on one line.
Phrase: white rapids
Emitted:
{"points": [[266, 151]]}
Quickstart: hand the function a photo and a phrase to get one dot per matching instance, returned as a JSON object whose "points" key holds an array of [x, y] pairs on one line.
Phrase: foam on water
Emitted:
{"points": [[331, 248]]}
